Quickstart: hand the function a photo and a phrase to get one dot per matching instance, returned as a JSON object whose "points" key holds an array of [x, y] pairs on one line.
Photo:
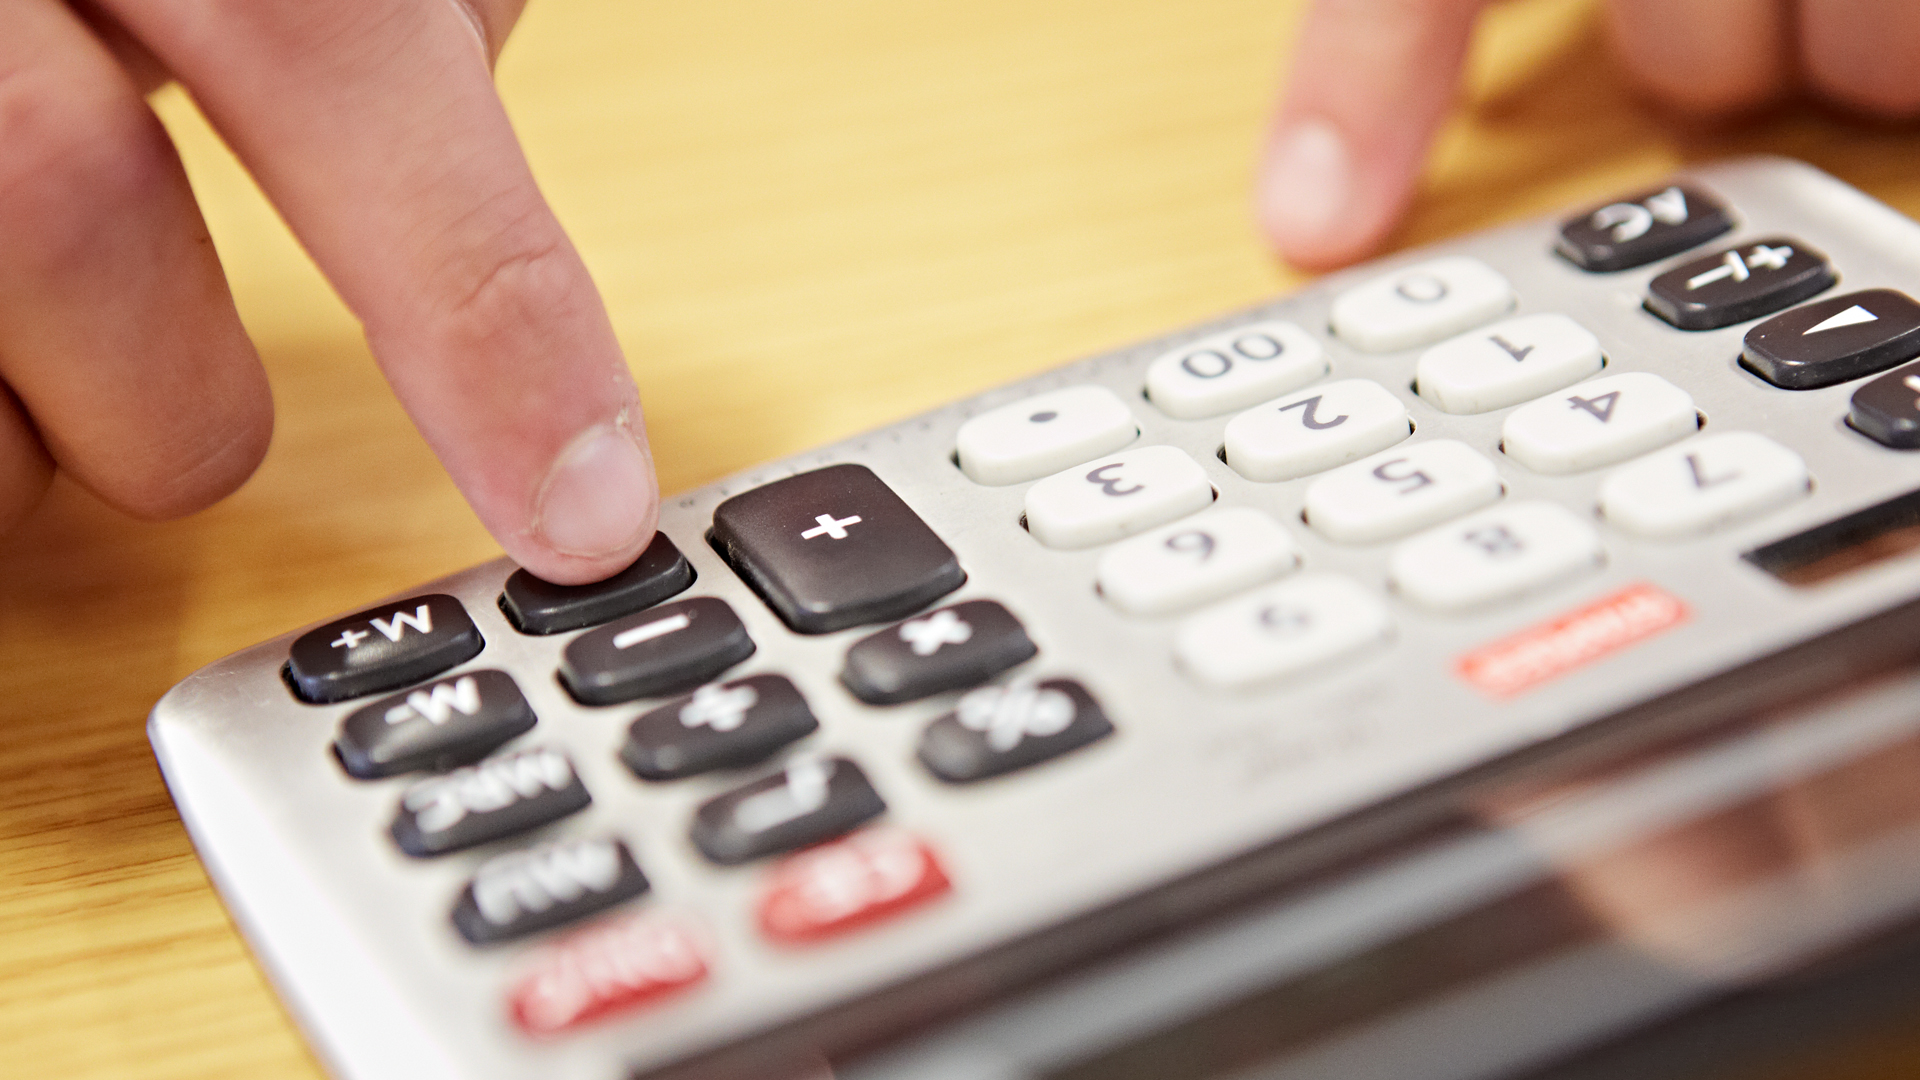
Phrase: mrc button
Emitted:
{"points": [[1641, 229], [1834, 340], [500, 797], [719, 726], [541, 607], [1739, 283], [451, 722], [663, 650], [834, 548], [548, 886], [382, 648]]}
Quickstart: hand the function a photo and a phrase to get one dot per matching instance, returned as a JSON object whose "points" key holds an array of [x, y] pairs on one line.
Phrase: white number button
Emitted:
{"points": [[1421, 304], [1397, 492], [1312, 432], [1234, 369], [1598, 423], [1281, 629], [1189, 563], [1116, 496], [1700, 484], [1043, 434], [1493, 555], [1507, 363]]}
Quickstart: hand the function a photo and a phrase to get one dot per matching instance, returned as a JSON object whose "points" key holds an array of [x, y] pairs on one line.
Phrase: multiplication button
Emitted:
{"points": [[951, 648], [1493, 555], [834, 548], [1641, 229], [1208, 556], [1507, 363], [438, 726], [1234, 369], [1043, 434], [382, 648], [1282, 629], [1834, 340], [535, 606], [1702, 484], [1420, 304], [1314, 431], [1095, 502], [665, 650], [719, 726], [1393, 494], [1597, 423], [1740, 283]]}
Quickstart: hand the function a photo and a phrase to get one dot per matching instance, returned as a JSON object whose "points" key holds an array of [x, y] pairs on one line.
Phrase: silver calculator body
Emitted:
{"points": [[1209, 792]]}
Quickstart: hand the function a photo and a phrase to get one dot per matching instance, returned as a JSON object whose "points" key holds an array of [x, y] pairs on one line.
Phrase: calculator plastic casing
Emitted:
{"points": [[355, 935]]}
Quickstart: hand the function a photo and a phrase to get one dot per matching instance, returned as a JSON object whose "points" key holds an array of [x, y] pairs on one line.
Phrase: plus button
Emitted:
{"points": [[829, 527]]}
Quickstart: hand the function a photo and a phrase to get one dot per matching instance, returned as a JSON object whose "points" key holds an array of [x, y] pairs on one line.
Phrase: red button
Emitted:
{"points": [[841, 886], [614, 966]]}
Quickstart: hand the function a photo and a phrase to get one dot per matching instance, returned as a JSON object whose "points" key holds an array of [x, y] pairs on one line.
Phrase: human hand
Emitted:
{"points": [[374, 127], [1373, 80]]}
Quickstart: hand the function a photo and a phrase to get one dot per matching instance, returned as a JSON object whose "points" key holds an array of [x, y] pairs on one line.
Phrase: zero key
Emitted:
{"points": [[834, 548]]}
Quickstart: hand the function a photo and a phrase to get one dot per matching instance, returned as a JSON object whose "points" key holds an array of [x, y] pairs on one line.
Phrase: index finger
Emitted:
{"points": [[374, 127]]}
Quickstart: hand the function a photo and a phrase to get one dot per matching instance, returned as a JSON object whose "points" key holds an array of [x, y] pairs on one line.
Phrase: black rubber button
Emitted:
{"points": [[382, 648], [500, 797], [1643, 228], [998, 729], [1740, 283], [949, 649], [1887, 410], [834, 548], [518, 894], [719, 726], [541, 607], [438, 726], [664, 650], [813, 799], [1834, 340]]}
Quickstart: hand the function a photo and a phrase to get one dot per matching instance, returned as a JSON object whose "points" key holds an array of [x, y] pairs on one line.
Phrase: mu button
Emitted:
{"points": [[382, 648], [834, 548]]}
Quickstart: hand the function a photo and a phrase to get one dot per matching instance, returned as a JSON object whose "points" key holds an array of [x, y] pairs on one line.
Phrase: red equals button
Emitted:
{"points": [[615, 966], [834, 888]]}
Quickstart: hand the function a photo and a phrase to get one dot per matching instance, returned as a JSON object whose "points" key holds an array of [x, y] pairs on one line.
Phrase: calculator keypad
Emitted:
{"points": [[382, 649], [1421, 304], [1599, 422], [1281, 629], [1205, 557], [1104, 500], [500, 797], [662, 650], [1701, 484], [997, 729], [541, 607], [1739, 283], [1315, 430], [718, 726], [1642, 228], [517, 894], [1834, 340], [951, 648], [1043, 434], [1401, 491], [1235, 369], [1494, 555], [1887, 410], [811, 800], [437, 726], [1507, 363]]}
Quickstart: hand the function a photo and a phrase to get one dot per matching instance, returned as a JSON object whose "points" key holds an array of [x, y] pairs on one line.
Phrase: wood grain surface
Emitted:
{"points": [[808, 219]]}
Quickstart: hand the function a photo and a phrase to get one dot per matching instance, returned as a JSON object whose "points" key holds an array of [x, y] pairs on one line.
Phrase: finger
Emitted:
{"points": [[117, 333], [1863, 54], [25, 468], [1705, 57], [1371, 82], [374, 127]]}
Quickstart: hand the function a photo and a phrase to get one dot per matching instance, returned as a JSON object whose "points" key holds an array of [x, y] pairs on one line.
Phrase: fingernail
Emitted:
{"points": [[598, 497], [1306, 189]]}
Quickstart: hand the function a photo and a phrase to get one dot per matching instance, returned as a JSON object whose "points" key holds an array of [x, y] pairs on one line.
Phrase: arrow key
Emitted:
{"points": [[719, 726], [1834, 340]]}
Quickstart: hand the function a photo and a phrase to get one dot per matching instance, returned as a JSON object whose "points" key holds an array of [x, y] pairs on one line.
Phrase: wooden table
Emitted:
{"points": [[808, 219]]}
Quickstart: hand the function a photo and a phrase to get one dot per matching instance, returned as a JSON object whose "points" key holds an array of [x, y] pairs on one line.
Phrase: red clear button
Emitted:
{"points": [[837, 887], [617, 965]]}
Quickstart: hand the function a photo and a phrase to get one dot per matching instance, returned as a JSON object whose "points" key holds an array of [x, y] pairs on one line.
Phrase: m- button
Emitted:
{"points": [[834, 548]]}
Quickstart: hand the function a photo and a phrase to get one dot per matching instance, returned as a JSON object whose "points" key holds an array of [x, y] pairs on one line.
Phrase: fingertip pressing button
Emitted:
{"points": [[535, 606], [1420, 304]]}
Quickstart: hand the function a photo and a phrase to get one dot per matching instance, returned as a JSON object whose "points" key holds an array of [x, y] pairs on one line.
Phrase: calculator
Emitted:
{"points": [[885, 732]]}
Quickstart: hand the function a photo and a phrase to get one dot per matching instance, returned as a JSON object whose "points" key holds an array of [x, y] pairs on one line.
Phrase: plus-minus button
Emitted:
{"points": [[829, 527]]}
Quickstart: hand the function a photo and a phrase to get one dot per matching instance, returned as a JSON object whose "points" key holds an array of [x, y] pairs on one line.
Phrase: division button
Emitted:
{"points": [[616, 965], [1887, 410], [1283, 629], [1601, 422], [663, 650], [1740, 283], [1213, 554], [1129, 492], [813, 799], [500, 797], [1403, 490], [948, 649], [541, 607], [1315, 430], [1507, 363], [719, 726], [526, 891], [1701, 484], [997, 729], [834, 548], [1645, 228], [1420, 304], [437, 726], [382, 648], [869, 877], [1234, 369], [1834, 340], [1494, 555], [1043, 434]]}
